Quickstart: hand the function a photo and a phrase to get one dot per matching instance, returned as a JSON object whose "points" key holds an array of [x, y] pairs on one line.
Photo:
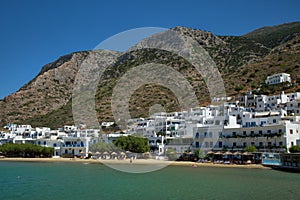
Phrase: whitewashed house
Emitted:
{"points": [[278, 78], [293, 108]]}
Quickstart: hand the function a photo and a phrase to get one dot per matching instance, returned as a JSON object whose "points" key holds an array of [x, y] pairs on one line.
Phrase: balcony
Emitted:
{"points": [[73, 145], [255, 135]]}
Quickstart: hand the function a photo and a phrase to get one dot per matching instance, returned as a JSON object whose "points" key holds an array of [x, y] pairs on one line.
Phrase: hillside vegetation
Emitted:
{"points": [[243, 61]]}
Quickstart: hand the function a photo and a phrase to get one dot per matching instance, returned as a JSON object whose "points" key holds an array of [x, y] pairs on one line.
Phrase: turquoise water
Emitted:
{"points": [[20, 180]]}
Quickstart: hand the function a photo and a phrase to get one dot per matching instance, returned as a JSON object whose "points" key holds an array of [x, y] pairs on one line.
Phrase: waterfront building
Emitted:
{"points": [[276, 137], [51, 142], [271, 123]]}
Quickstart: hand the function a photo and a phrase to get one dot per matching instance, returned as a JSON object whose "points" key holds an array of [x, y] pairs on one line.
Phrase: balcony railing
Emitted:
{"points": [[268, 135], [72, 145]]}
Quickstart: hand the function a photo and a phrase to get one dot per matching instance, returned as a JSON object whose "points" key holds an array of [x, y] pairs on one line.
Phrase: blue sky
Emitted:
{"points": [[34, 33]]}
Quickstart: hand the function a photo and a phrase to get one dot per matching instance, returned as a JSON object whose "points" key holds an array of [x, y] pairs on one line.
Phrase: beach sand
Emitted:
{"points": [[135, 162]]}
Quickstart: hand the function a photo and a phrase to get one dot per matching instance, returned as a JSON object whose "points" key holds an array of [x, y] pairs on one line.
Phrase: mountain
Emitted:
{"points": [[50, 90], [243, 61], [272, 36]]}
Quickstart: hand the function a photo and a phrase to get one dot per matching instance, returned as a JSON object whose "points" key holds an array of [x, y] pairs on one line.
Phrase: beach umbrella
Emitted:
{"points": [[247, 154], [218, 153], [122, 155], [227, 153], [210, 152], [97, 153]]}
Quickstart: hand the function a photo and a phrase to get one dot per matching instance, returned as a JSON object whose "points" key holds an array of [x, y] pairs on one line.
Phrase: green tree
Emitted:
{"points": [[26, 150], [294, 149], [251, 148], [199, 154], [133, 144]]}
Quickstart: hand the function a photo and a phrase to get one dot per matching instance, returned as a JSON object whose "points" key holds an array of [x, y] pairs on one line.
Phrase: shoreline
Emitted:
{"points": [[135, 162]]}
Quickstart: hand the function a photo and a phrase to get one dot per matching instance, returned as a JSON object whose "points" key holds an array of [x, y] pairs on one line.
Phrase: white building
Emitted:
{"points": [[293, 108], [273, 102], [278, 78], [274, 137]]}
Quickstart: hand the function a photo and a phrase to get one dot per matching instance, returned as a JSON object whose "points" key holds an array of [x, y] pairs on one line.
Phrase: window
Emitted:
{"points": [[211, 144], [205, 134], [234, 144], [280, 143], [54, 145], [45, 143], [244, 133], [245, 144], [260, 132], [234, 134], [274, 121], [253, 143], [269, 144], [291, 131], [220, 144], [197, 135], [210, 134], [292, 143], [261, 144], [197, 144]]}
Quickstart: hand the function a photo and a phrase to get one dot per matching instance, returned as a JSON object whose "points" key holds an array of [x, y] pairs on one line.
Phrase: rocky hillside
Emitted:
{"points": [[50, 90], [243, 61]]}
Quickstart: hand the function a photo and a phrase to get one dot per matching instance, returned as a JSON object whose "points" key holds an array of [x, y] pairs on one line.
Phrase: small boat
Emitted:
{"points": [[286, 168], [290, 163]]}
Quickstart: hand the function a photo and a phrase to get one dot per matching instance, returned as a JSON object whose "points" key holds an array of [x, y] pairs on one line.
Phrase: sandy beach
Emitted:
{"points": [[135, 162]]}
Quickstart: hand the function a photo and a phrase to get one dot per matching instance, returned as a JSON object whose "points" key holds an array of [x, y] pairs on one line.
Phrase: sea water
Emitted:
{"points": [[55, 181]]}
